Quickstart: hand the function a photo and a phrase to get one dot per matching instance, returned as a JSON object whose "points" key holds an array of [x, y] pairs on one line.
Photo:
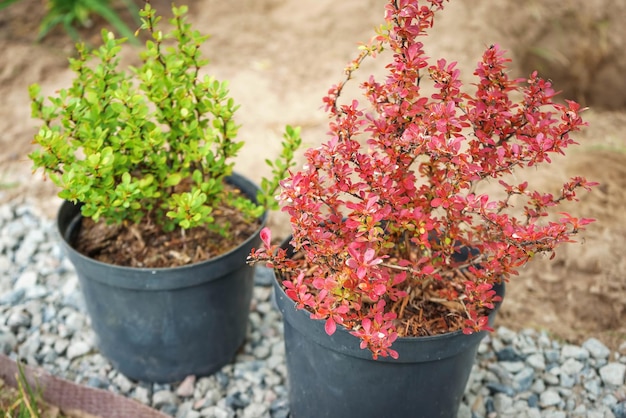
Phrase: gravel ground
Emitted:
{"points": [[43, 321]]}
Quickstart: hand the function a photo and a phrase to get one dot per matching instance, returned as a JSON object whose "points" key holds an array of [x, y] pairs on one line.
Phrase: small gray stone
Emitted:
{"points": [[25, 252], [519, 406], [208, 398], [619, 410], [483, 348], [163, 397], [14, 231], [264, 308], [123, 383], [49, 314], [185, 410], [571, 367], [6, 214], [74, 322], [141, 394], [598, 362], [575, 352], [531, 413], [512, 366], [496, 344], [502, 402], [253, 377], [203, 385], [272, 379], [566, 381], [502, 374], [524, 379], [552, 356], [554, 414], [161, 386], [18, 318], [538, 386], [564, 392], [100, 363], [36, 292], [12, 297], [609, 400], [549, 398], [255, 410], [62, 363], [47, 354], [222, 378], [216, 412], [8, 341], [582, 411], [506, 335], [593, 386], [613, 374], [60, 345], [237, 400], [77, 349], [496, 388], [6, 264], [30, 346], [536, 361], [596, 348], [262, 351]]}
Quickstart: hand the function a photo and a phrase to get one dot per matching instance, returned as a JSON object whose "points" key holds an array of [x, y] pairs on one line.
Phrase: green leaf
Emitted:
{"points": [[173, 179], [280, 167]]}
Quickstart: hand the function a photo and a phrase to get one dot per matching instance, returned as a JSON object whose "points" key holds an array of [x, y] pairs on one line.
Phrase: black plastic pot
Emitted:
{"points": [[162, 324], [331, 376]]}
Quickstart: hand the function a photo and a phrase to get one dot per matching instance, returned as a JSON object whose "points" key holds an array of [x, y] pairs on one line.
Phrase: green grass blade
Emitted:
{"points": [[6, 3], [27, 393]]}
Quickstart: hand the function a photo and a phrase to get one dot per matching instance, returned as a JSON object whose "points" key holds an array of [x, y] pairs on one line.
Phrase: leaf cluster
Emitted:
{"points": [[155, 140]]}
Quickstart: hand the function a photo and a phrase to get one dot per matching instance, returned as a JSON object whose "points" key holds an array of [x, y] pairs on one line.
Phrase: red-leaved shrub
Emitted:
{"points": [[393, 236]]}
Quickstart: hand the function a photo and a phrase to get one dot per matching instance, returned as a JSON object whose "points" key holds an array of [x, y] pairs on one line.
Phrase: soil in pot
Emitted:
{"points": [[146, 245]]}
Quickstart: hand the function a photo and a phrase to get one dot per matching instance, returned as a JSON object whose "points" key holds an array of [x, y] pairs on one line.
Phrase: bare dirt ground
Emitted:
{"points": [[281, 56]]}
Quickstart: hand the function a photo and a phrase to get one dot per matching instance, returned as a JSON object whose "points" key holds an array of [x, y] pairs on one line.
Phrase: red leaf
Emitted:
{"points": [[266, 237], [330, 327]]}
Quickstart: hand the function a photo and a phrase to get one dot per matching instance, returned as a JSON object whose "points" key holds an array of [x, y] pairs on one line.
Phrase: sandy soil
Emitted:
{"points": [[281, 56]]}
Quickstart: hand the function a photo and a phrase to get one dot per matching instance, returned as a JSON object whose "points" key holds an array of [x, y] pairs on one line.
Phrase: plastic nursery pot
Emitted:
{"points": [[331, 376], [162, 324]]}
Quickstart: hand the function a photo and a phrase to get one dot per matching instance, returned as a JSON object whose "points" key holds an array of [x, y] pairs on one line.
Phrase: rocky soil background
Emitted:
{"points": [[281, 56]]}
